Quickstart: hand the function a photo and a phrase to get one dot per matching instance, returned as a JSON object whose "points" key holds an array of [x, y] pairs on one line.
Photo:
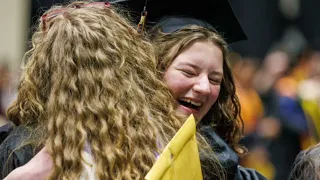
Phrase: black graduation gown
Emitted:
{"points": [[19, 157], [4, 131], [228, 158]]}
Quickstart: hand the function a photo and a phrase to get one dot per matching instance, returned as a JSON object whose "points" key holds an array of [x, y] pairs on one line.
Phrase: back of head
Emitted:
{"points": [[91, 78], [307, 164]]}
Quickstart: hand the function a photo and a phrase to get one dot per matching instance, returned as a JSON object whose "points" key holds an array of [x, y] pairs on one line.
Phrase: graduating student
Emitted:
{"points": [[90, 95], [191, 43]]}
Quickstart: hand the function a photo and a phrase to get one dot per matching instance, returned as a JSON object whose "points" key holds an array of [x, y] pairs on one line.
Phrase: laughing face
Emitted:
{"points": [[194, 78]]}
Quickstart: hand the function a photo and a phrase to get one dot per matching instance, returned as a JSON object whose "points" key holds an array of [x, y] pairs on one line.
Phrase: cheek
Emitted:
{"points": [[176, 83], [171, 81], [215, 91]]}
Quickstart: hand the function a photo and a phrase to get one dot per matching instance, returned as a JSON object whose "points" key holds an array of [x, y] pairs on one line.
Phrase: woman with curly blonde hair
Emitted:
{"points": [[90, 84]]}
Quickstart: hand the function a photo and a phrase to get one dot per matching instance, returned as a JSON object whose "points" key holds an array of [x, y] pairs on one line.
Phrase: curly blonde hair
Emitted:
{"points": [[224, 116], [91, 77]]}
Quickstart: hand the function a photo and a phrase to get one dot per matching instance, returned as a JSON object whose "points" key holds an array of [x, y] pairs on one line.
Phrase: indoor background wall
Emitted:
{"points": [[14, 23]]}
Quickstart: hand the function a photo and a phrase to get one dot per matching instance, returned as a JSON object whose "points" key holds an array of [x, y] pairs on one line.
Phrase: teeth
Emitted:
{"points": [[192, 102], [196, 104]]}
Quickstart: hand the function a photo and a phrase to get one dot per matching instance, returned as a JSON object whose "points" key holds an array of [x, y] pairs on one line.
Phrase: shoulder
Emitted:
{"points": [[12, 154], [227, 157], [248, 174], [225, 154]]}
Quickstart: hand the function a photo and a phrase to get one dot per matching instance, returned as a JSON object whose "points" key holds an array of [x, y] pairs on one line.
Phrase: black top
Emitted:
{"points": [[20, 156], [4, 131], [228, 158]]}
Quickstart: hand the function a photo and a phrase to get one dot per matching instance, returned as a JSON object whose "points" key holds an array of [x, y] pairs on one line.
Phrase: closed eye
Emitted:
{"points": [[188, 73], [215, 81]]}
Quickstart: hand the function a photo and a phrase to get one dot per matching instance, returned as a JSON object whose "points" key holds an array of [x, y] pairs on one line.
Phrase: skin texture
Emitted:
{"points": [[196, 75], [31, 170]]}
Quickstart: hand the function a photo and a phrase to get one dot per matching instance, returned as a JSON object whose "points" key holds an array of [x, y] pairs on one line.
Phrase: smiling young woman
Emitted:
{"points": [[194, 65], [194, 78]]}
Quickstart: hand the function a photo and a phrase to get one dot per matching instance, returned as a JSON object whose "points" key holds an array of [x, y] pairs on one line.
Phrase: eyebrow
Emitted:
{"points": [[217, 73], [189, 64]]}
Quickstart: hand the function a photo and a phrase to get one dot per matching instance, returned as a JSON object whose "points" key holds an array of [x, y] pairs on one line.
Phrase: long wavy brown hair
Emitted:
{"points": [[90, 77], [224, 114]]}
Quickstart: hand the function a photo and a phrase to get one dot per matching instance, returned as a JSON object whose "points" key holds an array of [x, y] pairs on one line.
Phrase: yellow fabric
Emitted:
{"points": [[312, 112], [251, 108], [306, 141], [180, 159]]}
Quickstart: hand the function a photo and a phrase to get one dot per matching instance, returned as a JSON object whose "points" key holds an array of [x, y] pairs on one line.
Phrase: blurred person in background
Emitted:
{"points": [[276, 138], [309, 97], [5, 125], [298, 94], [252, 109], [4, 86], [295, 117], [287, 86]]}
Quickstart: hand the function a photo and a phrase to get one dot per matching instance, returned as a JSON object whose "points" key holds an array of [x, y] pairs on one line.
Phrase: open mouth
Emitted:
{"points": [[190, 104]]}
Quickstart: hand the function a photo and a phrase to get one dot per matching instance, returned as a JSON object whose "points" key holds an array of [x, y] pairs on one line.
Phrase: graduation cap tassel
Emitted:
{"points": [[142, 20]]}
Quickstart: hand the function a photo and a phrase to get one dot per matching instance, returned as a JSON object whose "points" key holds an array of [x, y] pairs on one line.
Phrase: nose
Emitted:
{"points": [[202, 85]]}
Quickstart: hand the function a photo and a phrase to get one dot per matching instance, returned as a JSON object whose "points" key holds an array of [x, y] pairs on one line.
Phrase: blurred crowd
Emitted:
{"points": [[7, 95], [278, 76], [280, 107]]}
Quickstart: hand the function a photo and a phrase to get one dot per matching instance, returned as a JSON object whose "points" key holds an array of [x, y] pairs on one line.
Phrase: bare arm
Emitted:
{"points": [[39, 167]]}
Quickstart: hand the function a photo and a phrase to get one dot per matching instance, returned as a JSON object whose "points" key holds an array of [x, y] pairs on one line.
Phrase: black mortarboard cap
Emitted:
{"points": [[172, 15]]}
